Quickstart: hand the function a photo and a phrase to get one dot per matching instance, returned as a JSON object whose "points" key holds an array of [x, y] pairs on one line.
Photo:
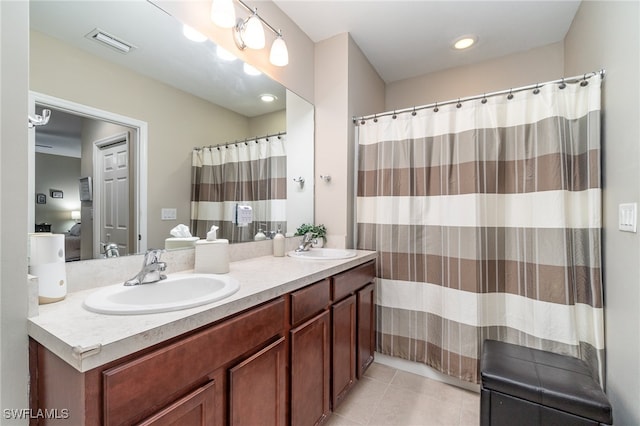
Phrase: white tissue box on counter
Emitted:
{"points": [[180, 242]]}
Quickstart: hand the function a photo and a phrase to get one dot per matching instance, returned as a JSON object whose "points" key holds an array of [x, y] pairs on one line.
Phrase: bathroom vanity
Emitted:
{"points": [[285, 349]]}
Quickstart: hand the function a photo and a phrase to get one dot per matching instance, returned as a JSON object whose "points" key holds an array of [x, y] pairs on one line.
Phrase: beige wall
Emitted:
{"points": [[14, 84], [332, 135], [605, 34], [346, 85], [520, 69], [177, 121], [268, 124]]}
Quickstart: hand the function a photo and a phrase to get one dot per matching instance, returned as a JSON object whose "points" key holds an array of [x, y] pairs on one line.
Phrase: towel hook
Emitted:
{"points": [[40, 120], [299, 180]]}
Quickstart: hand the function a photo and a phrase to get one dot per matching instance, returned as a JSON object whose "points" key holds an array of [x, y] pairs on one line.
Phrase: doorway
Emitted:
{"points": [[100, 130]]}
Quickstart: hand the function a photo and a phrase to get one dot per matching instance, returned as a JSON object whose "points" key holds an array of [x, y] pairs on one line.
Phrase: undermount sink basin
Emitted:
{"points": [[172, 294], [323, 254]]}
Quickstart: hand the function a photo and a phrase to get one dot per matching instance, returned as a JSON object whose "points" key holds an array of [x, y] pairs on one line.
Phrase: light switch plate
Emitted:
{"points": [[168, 214], [627, 217]]}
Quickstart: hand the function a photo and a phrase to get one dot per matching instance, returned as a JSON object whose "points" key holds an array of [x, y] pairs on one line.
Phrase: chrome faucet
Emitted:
{"points": [[152, 269], [110, 249], [307, 240]]}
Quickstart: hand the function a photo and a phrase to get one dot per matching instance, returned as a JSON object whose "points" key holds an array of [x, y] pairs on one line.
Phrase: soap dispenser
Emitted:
{"points": [[278, 244], [260, 235]]}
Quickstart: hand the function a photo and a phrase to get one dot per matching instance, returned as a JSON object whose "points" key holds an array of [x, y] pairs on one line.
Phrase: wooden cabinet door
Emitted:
{"points": [[310, 371], [343, 339], [195, 409], [366, 328], [257, 388]]}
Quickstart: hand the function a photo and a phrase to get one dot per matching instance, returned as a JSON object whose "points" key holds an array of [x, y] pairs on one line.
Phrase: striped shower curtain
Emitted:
{"points": [[487, 220], [251, 173]]}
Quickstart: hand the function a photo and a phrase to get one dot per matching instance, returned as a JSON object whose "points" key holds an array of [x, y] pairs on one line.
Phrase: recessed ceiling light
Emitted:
{"points": [[464, 42], [192, 34], [267, 97]]}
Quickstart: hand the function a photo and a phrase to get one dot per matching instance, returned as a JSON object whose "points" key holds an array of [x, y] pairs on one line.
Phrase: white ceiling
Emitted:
{"points": [[162, 52], [404, 39]]}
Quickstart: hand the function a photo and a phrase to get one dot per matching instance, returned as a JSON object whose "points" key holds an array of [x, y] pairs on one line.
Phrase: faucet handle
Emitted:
{"points": [[152, 256]]}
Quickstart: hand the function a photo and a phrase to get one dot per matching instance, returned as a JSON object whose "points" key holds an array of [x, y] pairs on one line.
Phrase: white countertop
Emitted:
{"points": [[87, 340]]}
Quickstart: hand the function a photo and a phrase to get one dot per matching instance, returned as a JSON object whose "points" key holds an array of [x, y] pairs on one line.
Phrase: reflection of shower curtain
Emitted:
{"points": [[249, 173], [487, 222]]}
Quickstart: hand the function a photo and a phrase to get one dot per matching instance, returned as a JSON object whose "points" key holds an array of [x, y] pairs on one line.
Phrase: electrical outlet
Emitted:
{"points": [[168, 214], [627, 217]]}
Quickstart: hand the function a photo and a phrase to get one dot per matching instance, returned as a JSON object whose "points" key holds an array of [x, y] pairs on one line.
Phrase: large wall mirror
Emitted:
{"points": [[147, 108]]}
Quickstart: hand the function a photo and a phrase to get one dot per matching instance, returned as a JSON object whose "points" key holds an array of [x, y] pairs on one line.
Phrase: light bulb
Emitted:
{"points": [[250, 70], [279, 55], [224, 54], [192, 34], [223, 13], [253, 33]]}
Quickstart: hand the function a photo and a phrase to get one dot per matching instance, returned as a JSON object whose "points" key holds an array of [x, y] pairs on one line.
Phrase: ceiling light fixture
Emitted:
{"points": [[464, 42], [223, 13], [192, 34], [268, 97], [279, 55], [249, 33]]}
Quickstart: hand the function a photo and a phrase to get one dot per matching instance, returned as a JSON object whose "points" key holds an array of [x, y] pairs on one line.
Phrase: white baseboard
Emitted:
{"points": [[423, 370]]}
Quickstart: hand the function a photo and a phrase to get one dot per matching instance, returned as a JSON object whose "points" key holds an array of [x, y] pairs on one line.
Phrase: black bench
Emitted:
{"points": [[523, 386]]}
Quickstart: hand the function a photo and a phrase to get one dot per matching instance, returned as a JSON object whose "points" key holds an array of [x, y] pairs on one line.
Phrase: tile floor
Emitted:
{"points": [[387, 396]]}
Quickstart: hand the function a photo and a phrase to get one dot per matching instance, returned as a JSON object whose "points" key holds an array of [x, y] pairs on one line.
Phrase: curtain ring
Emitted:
{"points": [[414, 112], [436, 109], [484, 99], [562, 84], [363, 121], [375, 119], [536, 90], [458, 105], [584, 81], [394, 116], [510, 95]]}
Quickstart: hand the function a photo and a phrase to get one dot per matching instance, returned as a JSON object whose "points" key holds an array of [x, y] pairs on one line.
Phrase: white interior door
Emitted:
{"points": [[112, 197]]}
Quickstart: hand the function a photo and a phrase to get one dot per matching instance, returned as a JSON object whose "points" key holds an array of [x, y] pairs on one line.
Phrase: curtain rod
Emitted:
{"points": [[583, 78], [245, 140]]}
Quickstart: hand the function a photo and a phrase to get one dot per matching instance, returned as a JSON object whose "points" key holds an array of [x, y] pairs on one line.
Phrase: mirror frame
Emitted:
{"points": [[140, 151]]}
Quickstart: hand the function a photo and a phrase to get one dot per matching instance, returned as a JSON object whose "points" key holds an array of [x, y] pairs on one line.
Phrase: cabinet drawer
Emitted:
{"points": [[137, 388], [349, 281], [310, 300], [195, 409]]}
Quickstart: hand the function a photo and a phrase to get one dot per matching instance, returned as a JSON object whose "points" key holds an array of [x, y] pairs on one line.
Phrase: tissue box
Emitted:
{"points": [[180, 242]]}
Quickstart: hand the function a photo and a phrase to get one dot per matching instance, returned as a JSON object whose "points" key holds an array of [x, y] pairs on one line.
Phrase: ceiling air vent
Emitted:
{"points": [[110, 41]]}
